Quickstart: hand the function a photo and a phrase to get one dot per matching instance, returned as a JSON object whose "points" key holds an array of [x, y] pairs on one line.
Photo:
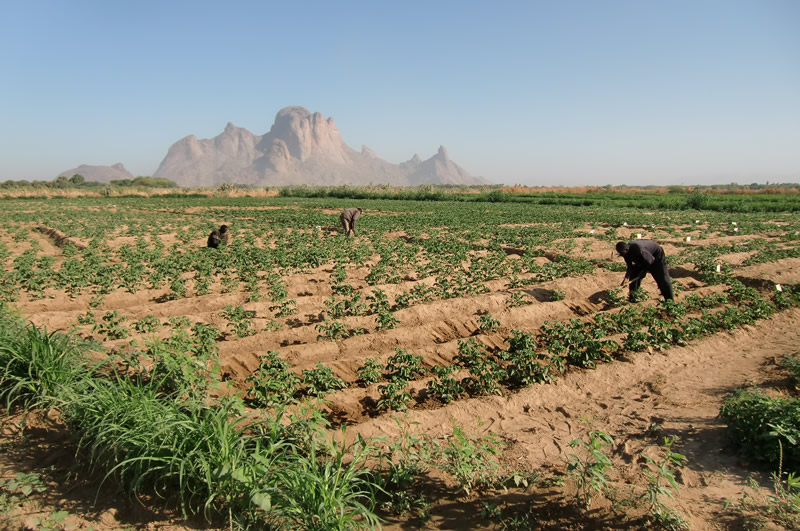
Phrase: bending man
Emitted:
{"points": [[642, 257], [218, 236], [348, 218]]}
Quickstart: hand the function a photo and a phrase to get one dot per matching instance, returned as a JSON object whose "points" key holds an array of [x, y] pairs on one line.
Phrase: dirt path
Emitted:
{"points": [[674, 393]]}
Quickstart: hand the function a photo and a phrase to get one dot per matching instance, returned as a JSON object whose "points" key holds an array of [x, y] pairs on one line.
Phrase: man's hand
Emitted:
{"points": [[623, 280]]}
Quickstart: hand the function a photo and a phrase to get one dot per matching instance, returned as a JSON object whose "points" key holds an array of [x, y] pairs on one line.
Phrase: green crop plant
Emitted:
{"points": [[332, 330], [590, 469], [87, 318], [147, 324], [791, 362], [177, 289], [177, 371], [661, 484], [444, 387], [764, 428], [471, 460], [111, 326], [272, 383], [638, 295], [239, 319], [179, 321], [614, 297], [229, 283], [379, 305], [370, 372], [394, 396], [487, 323], [320, 381], [517, 299], [285, 308], [404, 366], [326, 488], [37, 368]]}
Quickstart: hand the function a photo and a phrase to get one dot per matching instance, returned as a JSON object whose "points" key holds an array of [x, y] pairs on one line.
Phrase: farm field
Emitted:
{"points": [[491, 329]]}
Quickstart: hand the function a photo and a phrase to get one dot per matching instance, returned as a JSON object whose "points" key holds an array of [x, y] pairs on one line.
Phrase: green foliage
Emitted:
{"points": [[614, 297], [147, 324], [394, 396], [792, 363], [661, 484], [404, 366], [517, 299], [471, 460], [239, 319], [487, 323], [37, 368], [320, 380], [333, 330], [590, 469], [764, 428], [272, 383], [370, 372], [111, 326], [444, 387], [379, 305]]}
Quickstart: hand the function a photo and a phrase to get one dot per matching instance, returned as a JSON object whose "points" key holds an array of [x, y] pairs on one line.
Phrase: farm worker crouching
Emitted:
{"points": [[218, 236], [348, 218], [642, 257]]}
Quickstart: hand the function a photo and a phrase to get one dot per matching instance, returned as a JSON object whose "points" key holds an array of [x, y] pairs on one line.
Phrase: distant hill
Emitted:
{"points": [[102, 174], [300, 148]]}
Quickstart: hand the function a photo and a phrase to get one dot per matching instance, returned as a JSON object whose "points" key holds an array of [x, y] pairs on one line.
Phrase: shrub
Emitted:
{"points": [[765, 429]]}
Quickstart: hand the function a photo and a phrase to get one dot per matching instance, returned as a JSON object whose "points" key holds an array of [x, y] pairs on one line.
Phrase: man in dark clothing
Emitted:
{"points": [[642, 257], [348, 218], [218, 236]]}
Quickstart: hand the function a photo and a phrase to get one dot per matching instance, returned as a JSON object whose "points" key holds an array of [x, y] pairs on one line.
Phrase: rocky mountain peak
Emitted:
{"points": [[301, 147]]}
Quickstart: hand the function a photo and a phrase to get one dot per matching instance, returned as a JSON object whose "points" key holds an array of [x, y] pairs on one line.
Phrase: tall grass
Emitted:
{"points": [[207, 458], [37, 368]]}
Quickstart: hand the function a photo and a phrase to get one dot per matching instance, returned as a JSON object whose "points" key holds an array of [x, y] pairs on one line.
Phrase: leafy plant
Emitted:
{"points": [[590, 470], [517, 299], [444, 386], [370, 372], [764, 428], [404, 366], [471, 460], [320, 380], [239, 320], [487, 323], [394, 396], [111, 326], [272, 383], [379, 305], [661, 484], [147, 324]]}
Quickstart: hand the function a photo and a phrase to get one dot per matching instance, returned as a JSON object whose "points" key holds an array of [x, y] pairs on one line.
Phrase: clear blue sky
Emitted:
{"points": [[572, 92]]}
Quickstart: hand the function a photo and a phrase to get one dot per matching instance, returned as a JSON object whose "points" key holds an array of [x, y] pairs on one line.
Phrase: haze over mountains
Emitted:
{"points": [[101, 174], [301, 148]]}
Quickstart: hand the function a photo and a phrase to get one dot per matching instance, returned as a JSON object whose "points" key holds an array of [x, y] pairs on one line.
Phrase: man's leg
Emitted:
{"points": [[345, 225], [661, 274]]}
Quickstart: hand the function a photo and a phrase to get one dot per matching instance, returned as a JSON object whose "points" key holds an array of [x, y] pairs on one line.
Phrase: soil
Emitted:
{"points": [[638, 399]]}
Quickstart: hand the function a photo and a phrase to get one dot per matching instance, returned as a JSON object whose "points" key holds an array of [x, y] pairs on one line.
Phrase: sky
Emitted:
{"points": [[538, 93]]}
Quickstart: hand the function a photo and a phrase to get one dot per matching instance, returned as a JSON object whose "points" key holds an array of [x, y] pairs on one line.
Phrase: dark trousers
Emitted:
{"points": [[660, 273]]}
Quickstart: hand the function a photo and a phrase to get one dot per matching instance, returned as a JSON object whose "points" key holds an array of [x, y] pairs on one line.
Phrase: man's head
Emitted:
{"points": [[223, 229], [622, 248], [360, 210]]}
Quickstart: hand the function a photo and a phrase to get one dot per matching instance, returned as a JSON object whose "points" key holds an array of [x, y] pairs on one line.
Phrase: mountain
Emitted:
{"points": [[300, 148], [101, 174]]}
